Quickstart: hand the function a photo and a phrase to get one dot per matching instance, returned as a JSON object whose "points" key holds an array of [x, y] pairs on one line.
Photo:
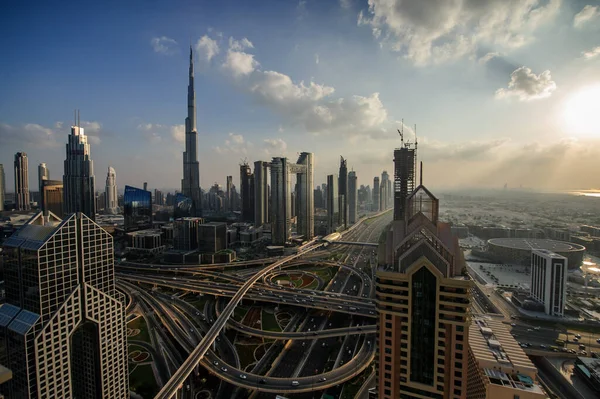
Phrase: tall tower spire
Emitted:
{"points": [[190, 184]]}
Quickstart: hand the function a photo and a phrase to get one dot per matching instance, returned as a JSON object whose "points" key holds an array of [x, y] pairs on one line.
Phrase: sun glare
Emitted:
{"points": [[582, 111]]}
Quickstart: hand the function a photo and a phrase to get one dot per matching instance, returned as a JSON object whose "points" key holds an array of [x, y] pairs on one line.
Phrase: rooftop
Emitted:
{"points": [[549, 253], [536, 243], [145, 233], [499, 356]]}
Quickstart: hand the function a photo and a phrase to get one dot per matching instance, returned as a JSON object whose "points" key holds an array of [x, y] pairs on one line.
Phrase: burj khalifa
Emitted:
{"points": [[190, 184]]}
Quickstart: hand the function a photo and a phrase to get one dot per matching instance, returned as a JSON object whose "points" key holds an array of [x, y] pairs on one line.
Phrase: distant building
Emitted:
{"points": [[549, 280], [498, 367], [78, 179], [261, 193], [229, 193], [375, 195], [404, 178], [2, 187], [247, 192], [384, 191], [43, 174], [333, 204], [352, 198], [22, 202], [281, 202], [588, 369], [182, 206], [111, 197], [52, 197], [63, 324], [343, 192], [212, 237], [159, 198], [305, 200], [185, 233], [146, 241], [137, 208]]}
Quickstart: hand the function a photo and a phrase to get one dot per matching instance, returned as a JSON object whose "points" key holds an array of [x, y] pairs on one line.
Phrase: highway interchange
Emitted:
{"points": [[340, 314]]}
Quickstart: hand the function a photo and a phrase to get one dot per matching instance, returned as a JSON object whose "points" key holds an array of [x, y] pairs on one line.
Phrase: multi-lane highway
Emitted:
{"points": [[349, 291]]}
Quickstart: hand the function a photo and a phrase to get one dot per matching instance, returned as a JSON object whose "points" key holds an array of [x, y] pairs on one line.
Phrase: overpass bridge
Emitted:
{"points": [[364, 244]]}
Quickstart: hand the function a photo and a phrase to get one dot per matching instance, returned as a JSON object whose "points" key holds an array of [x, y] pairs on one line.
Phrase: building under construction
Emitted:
{"points": [[405, 168]]}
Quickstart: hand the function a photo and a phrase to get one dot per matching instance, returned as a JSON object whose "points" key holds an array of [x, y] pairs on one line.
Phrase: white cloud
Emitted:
{"points": [[240, 63], [586, 15], [593, 53], [527, 86], [207, 48], [437, 31], [239, 45], [275, 146], [152, 132], [234, 144], [178, 133], [488, 57], [164, 45], [29, 133]]}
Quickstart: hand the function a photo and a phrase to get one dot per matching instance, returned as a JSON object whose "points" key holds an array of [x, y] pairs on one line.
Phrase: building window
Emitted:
{"points": [[423, 339]]}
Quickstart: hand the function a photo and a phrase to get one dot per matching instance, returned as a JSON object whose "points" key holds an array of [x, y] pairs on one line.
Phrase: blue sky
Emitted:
{"points": [[502, 91]]}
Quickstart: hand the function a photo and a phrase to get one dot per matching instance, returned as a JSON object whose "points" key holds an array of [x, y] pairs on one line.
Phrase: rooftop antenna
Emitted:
{"points": [[421, 175], [416, 155], [75, 117]]}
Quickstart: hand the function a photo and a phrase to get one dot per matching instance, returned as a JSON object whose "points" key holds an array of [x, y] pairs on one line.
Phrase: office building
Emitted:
{"points": [[497, 366], [100, 201], [21, 167], [247, 193], [78, 179], [333, 204], [52, 197], [110, 192], [63, 324], [228, 193], [185, 233], [384, 191], [281, 202], [182, 206], [43, 174], [2, 187], [145, 186], [190, 184], [159, 198], [305, 198], [261, 193], [376, 189], [352, 197], [137, 209], [212, 237], [343, 193], [404, 178], [423, 307], [549, 280]]}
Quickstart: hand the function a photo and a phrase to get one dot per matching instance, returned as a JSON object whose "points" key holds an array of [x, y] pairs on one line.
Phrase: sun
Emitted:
{"points": [[582, 112]]}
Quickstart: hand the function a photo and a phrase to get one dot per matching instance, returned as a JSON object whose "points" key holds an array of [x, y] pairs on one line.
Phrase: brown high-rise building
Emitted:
{"points": [[52, 197], [423, 304]]}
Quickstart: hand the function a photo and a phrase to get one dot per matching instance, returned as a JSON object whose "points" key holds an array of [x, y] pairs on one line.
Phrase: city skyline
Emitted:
{"points": [[258, 92]]}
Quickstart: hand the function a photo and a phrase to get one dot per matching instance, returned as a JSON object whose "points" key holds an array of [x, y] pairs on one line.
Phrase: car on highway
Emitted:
{"points": [[262, 381], [323, 379], [536, 328], [216, 363], [243, 376], [224, 369], [513, 324], [598, 340], [578, 336], [295, 383], [543, 346], [575, 339]]}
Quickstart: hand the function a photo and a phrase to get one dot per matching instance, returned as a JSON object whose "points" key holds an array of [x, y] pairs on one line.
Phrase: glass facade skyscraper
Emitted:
{"points": [[137, 208], [63, 324]]}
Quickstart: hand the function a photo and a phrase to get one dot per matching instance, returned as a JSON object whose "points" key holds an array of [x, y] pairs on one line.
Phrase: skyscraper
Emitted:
{"points": [[63, 323], [52, 197], [111, 191], [343, 192], [247, 192], [137, 209], [549, 280], [305, 197], [375, 204], [228, 193], [78, 179], [423, 306], [281, 202], [190, 184], [333, 204], [43, 174], [352, 197], [21, 182], [2, 187], [261, 193], [384, 194], [404, 178]]}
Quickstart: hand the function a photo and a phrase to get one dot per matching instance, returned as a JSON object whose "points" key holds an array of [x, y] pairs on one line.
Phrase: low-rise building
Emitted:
{"points": [[146, 241], [497, 366]]}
